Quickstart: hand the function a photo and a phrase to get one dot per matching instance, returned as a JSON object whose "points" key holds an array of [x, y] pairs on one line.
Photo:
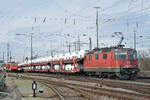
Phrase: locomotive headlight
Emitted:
{"points": [[133, 71], [128, 62]]}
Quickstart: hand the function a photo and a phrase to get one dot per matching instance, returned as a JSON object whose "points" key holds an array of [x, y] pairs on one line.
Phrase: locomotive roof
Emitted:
{"points": [[107, 49], [12, 62]]}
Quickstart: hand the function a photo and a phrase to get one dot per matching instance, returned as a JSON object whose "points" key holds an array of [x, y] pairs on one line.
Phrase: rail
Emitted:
{"points": [[140, 88], [56, 91], [96, 90]]}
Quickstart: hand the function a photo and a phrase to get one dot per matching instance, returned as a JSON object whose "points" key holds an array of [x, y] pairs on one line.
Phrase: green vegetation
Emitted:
{"points": [[144, 64], [144, 60]]}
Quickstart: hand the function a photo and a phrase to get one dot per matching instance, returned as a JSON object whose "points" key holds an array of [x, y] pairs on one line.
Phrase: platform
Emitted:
{"points": [[18, 89]]}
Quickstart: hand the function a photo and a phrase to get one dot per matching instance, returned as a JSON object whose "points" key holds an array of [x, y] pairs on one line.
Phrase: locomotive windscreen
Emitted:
{"points": [[14, 64], [132, 55], [121, 54]]}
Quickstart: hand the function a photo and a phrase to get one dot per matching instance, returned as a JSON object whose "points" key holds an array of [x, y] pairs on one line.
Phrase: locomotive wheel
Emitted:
{"points": [[89, 74], [101, 75], [122, 75], [133, 76]]}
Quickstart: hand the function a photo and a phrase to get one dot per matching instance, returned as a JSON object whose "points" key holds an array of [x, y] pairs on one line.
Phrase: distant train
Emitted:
{"points": [[11, 66], [105, 62]]}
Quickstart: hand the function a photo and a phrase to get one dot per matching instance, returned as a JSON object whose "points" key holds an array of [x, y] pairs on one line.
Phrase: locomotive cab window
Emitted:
{"points": [[90, 57], [121, 55], [133, 55], [14, 64], [104, 56], [96, 56]]}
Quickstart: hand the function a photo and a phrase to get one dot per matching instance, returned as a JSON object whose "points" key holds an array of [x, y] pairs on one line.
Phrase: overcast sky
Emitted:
{"points": [[52, 20]]}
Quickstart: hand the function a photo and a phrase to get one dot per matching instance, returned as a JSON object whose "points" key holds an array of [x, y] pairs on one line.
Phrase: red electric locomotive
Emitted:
{"points": [[113, 61], [121, 62]]}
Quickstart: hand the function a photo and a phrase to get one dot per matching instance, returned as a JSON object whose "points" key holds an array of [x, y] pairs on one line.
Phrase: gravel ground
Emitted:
{"points": [[18, 89], [96, 84], [25, 90], [71, 95], [91, 84]]}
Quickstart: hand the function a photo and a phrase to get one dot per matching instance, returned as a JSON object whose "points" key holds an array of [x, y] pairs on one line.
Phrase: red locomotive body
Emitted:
{"points": [[121, 62], [12, 66]]}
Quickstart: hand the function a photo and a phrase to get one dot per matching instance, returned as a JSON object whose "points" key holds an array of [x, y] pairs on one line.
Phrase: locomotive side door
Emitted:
{"points": [[107, 60], [112, 59], [104, 62], [90, 60], [86, 61]]}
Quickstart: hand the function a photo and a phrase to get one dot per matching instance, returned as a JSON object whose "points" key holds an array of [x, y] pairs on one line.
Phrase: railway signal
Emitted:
{"points": [[34, 88]]}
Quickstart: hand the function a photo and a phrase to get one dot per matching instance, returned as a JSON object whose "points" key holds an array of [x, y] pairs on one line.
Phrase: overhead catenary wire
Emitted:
{"points": [[48, 18]]}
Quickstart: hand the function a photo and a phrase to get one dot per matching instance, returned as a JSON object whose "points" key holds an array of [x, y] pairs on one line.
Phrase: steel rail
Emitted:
{"points": [[144, 89], [94, 89], [55, 90]]}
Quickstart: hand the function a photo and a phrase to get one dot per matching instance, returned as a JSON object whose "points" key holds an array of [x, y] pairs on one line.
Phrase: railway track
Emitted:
{"points": [[91, 91], [76, 95], [54, 84], [55, 88], [140, 88], [61, 97], [58, 93]]}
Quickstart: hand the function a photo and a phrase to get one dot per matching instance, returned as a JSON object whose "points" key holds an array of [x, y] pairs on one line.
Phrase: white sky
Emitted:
{"points": [[18, 16]]}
